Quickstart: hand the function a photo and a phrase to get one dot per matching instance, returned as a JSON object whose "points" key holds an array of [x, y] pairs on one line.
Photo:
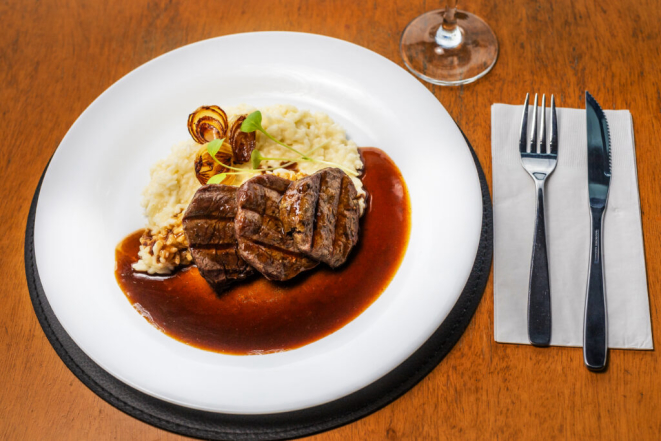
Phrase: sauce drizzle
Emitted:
{"points": [[259, 316]]}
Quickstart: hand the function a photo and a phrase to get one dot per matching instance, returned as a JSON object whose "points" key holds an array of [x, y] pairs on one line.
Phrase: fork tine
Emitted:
{"points": [[554, 128], [533, 130], [524, 126], [542, 133]]}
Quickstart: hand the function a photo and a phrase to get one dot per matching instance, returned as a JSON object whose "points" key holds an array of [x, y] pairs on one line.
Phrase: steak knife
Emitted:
{"points": [[595, 330]]}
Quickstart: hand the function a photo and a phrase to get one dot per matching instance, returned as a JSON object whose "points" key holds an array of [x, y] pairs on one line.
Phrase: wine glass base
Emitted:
{"points": [[429, 61]]}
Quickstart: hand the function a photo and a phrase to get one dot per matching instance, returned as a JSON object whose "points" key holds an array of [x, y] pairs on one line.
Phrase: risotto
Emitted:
{"points": [[163, 247]]}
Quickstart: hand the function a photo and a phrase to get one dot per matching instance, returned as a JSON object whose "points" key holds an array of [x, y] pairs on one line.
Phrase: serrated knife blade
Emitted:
{"points": [[595, 330], [599, 162]]}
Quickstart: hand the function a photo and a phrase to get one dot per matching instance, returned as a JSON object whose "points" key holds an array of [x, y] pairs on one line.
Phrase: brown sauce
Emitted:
{"points": [[259, 316]]}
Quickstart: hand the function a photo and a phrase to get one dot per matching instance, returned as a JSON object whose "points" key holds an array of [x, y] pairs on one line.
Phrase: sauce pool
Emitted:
{"points": [[260, 316]]}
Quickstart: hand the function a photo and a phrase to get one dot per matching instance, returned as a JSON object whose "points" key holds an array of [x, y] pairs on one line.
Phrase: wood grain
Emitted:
{"points": [[57, 56]]}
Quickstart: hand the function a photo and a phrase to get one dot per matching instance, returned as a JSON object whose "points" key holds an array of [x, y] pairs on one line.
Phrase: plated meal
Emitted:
{"points": [[266, 231], [349, 335]]}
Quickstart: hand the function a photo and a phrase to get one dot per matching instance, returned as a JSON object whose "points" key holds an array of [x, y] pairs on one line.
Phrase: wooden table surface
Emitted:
{"points": [[57, 56]]}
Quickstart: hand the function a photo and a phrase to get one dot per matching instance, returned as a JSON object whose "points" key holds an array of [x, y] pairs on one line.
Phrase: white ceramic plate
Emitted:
{"points": [[90, 200]]}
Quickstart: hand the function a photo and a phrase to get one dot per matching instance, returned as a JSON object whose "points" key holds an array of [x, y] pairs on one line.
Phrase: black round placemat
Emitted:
{"points": [[217, 426]]}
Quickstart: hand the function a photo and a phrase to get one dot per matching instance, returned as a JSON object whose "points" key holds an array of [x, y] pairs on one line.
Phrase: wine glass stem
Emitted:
{"points": [[448, 35]]}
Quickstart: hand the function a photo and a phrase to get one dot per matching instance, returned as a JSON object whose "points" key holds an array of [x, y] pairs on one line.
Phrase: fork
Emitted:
{"points": [[539, 161]]}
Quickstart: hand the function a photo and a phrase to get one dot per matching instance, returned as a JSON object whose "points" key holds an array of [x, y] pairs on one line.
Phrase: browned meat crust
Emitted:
{"points": [[278, 227], [259, 230], [321, 213], [209, 227]]}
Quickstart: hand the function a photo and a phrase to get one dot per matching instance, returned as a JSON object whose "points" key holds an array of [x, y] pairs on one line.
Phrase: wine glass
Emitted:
{"points": [[449, 47]]}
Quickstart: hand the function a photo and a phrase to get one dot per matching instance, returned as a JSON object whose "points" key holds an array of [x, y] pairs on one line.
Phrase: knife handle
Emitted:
{"points": [[539, 291], [595, 332]]}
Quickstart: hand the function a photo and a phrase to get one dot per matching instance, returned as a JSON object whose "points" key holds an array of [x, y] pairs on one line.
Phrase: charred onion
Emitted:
{"points": [[206, 167], [242, 143], [207, 123]]}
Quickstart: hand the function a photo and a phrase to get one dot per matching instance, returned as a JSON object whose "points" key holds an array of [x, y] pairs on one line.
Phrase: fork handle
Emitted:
{"points": [[539, 291], [595, 332]]}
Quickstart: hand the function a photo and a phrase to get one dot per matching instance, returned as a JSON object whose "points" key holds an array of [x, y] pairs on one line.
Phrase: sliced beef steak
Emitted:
{"points": [[321, 213], [209, 227], [297, 211], [346, 224], [260, 233]]}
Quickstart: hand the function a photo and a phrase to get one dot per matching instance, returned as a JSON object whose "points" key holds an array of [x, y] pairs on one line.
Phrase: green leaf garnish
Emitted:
{"points": [[214, 146], [252, 122], [255, 158], [217, 179]]}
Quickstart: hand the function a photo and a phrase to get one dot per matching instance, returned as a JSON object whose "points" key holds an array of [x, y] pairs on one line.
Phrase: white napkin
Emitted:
{"points": [[568, 233]]}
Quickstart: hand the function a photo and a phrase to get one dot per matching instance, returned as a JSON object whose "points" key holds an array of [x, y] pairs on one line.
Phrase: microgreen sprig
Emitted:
{"points": [[213, 147], [254, 122], [217, 179], [256, 158]]}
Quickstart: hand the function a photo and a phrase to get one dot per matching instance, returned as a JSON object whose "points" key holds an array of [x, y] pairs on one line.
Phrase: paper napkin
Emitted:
{"points": [[568, 233]]}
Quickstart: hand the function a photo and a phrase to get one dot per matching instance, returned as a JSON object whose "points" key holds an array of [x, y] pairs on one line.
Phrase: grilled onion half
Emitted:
{"points": [[242, 143], [206, 167], [207, 123], [210, 122]]}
